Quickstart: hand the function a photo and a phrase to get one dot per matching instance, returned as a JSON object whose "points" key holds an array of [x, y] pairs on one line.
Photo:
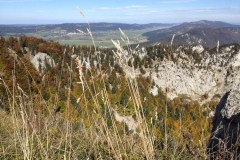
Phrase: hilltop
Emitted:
{"points": [[206, 33]]}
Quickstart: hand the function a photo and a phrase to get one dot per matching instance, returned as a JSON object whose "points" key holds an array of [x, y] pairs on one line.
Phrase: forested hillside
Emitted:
{"points": [[111, 98]]}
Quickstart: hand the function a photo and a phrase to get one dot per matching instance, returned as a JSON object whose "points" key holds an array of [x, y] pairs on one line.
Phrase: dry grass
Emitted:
{"points": [[27, 132]]}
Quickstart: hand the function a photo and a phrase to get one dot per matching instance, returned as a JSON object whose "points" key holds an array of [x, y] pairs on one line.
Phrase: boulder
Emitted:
{"points": [[224, 142]]}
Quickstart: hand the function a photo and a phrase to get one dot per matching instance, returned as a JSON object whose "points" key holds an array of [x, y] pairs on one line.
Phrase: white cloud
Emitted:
{"points": [[177, 1], [131, 7], [176, 15]]}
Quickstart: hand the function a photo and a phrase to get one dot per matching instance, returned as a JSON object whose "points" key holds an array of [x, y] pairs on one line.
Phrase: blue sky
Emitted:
{"points": [[126, 11]]}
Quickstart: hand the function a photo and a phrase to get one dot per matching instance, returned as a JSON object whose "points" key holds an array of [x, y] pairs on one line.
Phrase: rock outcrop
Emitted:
{"points": [[202, 73], [128, 120], [224, 142], [41, 61]]}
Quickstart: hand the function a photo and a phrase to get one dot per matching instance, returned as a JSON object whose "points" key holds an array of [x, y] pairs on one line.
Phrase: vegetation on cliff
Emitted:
{"points": [[68, 112]]}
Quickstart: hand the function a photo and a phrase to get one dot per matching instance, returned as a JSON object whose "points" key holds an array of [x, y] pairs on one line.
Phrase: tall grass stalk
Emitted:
{"points": [[145, 135], [38, 134]]}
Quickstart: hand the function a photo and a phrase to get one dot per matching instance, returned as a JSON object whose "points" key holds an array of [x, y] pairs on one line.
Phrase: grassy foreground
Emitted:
{"points": [[32, 129]]}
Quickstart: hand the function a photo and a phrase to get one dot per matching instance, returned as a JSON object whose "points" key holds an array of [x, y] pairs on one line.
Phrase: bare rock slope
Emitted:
{"points": [[203, 74]]}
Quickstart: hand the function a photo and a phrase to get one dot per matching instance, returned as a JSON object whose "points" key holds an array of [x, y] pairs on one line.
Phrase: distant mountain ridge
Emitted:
{"points": [[206, 33], [73, 27]]}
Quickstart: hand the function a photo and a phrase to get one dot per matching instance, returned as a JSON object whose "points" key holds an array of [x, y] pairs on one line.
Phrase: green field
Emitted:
{"points": [[101, 39]]}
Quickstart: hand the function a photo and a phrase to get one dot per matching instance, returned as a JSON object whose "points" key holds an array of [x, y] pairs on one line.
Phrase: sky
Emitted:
{"points": [[124, 11]]}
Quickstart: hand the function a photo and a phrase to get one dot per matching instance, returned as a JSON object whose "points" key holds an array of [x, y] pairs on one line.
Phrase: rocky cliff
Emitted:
{"points": [[193, 71], [202, 75], [224, 141]]}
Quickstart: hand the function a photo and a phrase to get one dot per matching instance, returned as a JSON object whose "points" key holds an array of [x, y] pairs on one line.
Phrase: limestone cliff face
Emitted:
{"points": [[225, 138], [41, 60], [194, 71], [202, 73]]}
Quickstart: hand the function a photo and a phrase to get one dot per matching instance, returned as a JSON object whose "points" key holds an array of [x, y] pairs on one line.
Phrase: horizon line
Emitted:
{"points": [[29, 24]]}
